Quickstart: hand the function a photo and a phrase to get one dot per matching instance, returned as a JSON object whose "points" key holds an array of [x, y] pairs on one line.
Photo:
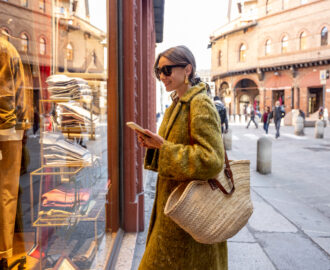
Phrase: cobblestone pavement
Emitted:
{"points": [[290, 226]]}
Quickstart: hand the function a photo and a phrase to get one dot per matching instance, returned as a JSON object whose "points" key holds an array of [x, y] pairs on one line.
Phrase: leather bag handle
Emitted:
{"points": [[214, 183]]}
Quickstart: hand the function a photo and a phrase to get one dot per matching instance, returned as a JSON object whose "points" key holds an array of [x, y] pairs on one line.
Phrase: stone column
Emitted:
{"points": [[319, 129], [299, 126]]}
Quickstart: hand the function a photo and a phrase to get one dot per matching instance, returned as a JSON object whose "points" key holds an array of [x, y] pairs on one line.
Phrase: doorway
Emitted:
{"points": [[315, 99], [278, 95]]}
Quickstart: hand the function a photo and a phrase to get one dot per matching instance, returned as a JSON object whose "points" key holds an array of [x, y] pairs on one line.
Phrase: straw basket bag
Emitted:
{"points": [[207, 213], [206, 210]]}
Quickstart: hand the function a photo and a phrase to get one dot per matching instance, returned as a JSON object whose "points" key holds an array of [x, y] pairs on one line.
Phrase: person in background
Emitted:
{"points": [[222, 113], [321, 112], [252, 116], [265, 119], [278, 113]]}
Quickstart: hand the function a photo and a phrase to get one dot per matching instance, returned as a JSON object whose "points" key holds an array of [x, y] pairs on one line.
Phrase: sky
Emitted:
{"points": [[186, 22], [190, 23]]}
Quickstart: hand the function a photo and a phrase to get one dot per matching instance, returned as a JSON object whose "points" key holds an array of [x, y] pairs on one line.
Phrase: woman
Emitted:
{"points": [[179, 155]]}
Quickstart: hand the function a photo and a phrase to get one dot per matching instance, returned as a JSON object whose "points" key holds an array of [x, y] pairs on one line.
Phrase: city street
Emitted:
{"points": [[290, 226]]}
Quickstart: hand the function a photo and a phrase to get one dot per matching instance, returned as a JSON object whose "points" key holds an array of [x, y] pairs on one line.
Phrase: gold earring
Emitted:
{"points": [[186, 80]]}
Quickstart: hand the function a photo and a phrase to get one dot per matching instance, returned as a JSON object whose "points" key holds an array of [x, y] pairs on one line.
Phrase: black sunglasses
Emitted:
{"points": [[166, 70]]}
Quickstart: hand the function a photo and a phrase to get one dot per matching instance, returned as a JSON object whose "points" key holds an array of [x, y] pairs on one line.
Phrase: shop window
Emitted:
{"points": [[69, 52], [42, 44], [267, 47], [284, 44], [62, 154], [24, 43], [42, 5], [219, 58], [302, 41], [324, 36], [242, 53]]}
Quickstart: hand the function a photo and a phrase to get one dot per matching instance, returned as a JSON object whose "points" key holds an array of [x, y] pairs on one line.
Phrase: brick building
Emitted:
{"points": [[273, 50]]}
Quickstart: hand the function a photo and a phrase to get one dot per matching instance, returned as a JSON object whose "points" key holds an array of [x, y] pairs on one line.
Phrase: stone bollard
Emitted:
{"points": [[264, 155], [299, 126], [227, 139], [319, 129]]}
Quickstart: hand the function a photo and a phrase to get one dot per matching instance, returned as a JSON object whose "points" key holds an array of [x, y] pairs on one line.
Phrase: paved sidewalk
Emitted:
{"points": [[290, 226]]}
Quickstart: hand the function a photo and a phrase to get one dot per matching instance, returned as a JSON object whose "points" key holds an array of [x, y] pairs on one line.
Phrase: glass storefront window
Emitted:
{"points": [[53, 133]]}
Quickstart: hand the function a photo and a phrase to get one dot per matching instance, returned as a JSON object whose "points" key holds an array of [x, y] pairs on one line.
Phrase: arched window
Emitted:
{"points": [[219, 58], [302, 41], [4, 33], [42, 44], [69, 52], [242, 53], [267, 47], [24, 42], [324, 36], [94, 58], [42, 5], [284, 44]]}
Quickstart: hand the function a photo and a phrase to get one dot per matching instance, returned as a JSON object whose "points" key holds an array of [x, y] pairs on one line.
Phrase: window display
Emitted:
{"points": [[53, 135]]}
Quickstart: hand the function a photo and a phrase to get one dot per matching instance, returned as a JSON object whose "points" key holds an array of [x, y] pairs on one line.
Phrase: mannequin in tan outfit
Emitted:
{"points": [[12, 124]]}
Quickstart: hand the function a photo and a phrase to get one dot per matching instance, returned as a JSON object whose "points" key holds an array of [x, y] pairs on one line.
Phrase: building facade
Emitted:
{"points": [[274, 50]]}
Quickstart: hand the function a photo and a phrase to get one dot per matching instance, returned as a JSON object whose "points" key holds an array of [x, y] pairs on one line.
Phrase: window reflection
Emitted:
{"points": [[69, 52], [24, 42], [59, 53], [42, 46]]}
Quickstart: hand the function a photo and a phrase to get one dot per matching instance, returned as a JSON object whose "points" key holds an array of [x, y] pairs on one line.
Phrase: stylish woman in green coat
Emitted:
{"points": [[171, 154]]}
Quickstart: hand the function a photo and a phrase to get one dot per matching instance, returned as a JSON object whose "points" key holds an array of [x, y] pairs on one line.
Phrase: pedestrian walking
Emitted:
{"points": [[180, 153], [265, 119], [321, 112], [278, 113], [252, 116], [222, 113]]}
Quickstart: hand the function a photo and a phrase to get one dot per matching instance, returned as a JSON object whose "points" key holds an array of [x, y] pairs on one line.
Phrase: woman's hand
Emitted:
{"points": [[154, 141]]}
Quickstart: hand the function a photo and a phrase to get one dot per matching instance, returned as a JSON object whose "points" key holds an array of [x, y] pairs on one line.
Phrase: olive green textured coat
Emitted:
{"points": [[168, 246]]}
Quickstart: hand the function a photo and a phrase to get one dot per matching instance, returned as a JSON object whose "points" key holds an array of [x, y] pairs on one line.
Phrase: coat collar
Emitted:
{"points": [[192, 92], [178, 103]]}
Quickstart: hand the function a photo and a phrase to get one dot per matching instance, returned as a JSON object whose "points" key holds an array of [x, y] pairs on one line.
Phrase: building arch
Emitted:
{"points": [[5, 29], [245, 87]]}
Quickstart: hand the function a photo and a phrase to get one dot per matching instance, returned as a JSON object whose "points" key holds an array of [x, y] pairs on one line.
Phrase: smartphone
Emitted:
{"points": [[137, 127]]}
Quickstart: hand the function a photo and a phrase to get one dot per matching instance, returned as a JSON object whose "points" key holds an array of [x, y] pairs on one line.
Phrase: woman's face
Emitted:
{"points": [[174, 81]]}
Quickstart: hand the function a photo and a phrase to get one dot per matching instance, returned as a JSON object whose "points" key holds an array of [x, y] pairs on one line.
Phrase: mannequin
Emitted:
{"points": [[13, 121]]}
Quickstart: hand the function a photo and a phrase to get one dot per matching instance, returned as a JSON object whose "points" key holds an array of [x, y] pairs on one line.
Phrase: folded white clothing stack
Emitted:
{"points": [[61, 152], [64, 87]]}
